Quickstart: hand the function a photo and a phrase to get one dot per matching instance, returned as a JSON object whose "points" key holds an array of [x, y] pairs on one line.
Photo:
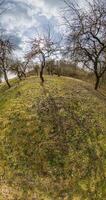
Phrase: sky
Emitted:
{"points": [[23, 19]]}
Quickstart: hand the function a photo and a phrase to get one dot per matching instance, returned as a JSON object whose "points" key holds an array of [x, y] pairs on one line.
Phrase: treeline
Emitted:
{"points": [[60, 68], [84, 44]]}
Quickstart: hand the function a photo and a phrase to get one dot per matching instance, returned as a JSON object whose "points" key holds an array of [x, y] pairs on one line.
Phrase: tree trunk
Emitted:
{"points": [[6, 79], [19, 76], [97, 83], [42, 67], [41, 73], [58, 72], [23, 73]]}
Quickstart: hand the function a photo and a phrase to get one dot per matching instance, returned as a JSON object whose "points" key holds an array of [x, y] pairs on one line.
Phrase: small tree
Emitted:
{"points": [[43, 48], [86, 40], [19, 68], [16, 69], [36, 69], [50, 66], [6, 49]]}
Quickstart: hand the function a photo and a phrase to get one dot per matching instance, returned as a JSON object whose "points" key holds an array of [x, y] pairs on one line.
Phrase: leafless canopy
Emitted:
{"points": [[43, 47], [6, 48], [86, 40]]}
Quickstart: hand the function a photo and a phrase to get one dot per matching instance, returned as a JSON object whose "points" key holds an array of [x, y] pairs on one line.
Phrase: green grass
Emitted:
{"points": [[52, 140]]}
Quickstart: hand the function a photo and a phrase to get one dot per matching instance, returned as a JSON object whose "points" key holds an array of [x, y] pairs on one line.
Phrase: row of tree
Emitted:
{"points": [[84, 43]]}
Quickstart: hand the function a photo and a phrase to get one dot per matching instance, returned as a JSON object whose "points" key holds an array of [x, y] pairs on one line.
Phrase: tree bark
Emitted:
{"points": [[97, 83], [19, 76], [6, 79], [41, 73], [42, 67], [58, 72], [23, 74]]}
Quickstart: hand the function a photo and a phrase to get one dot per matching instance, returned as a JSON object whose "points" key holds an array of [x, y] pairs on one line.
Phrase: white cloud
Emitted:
{"points": [[24, 17], [46, 7]]}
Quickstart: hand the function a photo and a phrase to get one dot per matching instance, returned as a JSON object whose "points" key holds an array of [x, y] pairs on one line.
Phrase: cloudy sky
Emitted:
{"points": [[24, 18]]}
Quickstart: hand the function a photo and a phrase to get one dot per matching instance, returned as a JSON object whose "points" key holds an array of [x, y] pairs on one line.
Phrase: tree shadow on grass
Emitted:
{"points": [[76, 156], [98, 93], [55, 151]]}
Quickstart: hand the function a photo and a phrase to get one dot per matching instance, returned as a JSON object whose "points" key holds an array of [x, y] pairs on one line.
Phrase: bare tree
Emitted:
{"points": [[86, 40], [43, 47], [50, 66], [36, 69], [25, 66], [16, 68], [19, 68], [6, 48]]}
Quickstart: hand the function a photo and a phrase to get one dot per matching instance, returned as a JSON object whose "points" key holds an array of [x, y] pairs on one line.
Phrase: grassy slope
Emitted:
{"points": [[52, 140]]}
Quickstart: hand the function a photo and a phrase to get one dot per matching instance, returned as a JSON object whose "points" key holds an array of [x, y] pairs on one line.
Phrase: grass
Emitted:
{"points": [[52, 140]]}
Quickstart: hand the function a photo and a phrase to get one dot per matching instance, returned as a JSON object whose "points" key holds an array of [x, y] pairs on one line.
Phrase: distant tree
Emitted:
{"points": [[86, 38], [50, 66], [6, 49], [19, 68], [58, 68], [36, 69], [33, 68], [25, 66], [16, 69]]}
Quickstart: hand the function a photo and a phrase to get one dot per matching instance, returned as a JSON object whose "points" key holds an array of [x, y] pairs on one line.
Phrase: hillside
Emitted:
{"points": [[52, 140]]}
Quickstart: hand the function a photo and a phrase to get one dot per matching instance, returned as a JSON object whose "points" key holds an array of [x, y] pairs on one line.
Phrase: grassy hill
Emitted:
{"points": [[52, 140]]}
